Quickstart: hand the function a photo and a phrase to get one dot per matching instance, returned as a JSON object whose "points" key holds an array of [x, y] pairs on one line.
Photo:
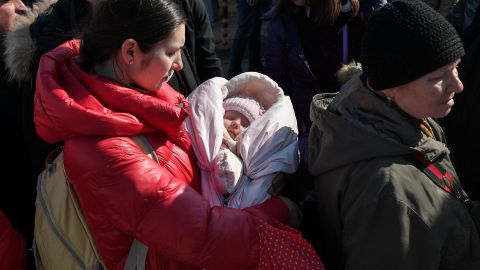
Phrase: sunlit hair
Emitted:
{"points": [[323, 12], [114, 21]]}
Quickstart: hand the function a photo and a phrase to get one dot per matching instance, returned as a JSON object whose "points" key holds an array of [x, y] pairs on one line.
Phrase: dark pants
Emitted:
{"points": [[247, 35]]}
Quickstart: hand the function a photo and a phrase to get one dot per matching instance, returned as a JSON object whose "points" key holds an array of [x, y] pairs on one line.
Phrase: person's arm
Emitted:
{"points": [[143, 200], [207, 63]]}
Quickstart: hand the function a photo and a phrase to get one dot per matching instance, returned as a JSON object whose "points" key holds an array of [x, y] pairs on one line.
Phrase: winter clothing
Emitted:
{"points": [[368, 6], [267, 147], [200, 61], [285, 61], [248, 107], [289, 62], [228, 170], [442, 6], [247, 36], [13, 250], [19, 209], [462, 14], [303, 59], [200, 42], [123, 193], [377, 208], [19, 45], [406, 40], [41, 29]]}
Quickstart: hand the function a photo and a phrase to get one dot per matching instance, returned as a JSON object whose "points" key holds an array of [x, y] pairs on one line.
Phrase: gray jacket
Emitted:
{"points": [[377, 209]]}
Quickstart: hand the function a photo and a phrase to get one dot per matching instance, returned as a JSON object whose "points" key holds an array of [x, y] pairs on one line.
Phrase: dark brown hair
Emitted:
{"points": [[114, 21], [324, 12]]}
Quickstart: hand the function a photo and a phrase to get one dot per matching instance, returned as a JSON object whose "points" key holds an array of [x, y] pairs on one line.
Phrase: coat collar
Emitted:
{"points": [[71, 102], [19, 45]]}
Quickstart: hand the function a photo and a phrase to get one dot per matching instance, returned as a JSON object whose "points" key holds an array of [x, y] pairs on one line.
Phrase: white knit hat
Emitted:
{"points": [[248, 107]]}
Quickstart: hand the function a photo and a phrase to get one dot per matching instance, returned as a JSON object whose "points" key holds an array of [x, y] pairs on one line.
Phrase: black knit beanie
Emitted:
{"points": [[406, 40]]}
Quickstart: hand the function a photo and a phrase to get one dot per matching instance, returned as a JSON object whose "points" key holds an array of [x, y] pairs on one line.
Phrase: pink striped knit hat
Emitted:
{"points": [[248, 107]]}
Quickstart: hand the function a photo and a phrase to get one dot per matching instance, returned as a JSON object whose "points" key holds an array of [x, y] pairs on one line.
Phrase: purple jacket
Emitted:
{"points": [[285, 60]]}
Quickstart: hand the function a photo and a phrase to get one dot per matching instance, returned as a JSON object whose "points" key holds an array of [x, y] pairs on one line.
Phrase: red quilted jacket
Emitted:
{"points": [[123, 193], [13, 250]]}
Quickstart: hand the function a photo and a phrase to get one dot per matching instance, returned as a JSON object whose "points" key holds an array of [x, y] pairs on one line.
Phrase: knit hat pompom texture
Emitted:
{"points": [[406, 40], [248, 107]]}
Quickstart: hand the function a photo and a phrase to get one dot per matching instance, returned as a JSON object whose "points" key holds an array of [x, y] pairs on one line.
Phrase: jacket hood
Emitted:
{"points": [[71, 102], [357, 125], [255, 85], [19, 45]]}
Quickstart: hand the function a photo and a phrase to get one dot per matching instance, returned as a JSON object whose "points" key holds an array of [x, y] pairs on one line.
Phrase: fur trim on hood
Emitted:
{"points": [[19, 46], [348, 71]]}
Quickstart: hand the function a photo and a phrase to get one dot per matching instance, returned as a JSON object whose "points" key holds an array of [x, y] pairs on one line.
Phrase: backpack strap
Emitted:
{"points": [[145, 146], [137, 255]]}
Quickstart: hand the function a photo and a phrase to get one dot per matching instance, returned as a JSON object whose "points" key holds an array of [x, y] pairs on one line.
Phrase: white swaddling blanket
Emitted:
{"points": [[268, 146]]}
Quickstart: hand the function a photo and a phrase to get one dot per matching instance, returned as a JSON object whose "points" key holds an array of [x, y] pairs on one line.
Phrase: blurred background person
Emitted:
{"points": [[307, 43], [17, 193], [442, 6], [248, 36]]}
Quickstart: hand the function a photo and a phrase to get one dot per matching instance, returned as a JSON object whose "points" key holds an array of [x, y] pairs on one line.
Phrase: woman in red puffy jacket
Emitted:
{"points": [[95, 94]]}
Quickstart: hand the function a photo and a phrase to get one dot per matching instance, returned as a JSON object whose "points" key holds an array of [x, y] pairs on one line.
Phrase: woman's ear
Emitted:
{"points": [[128, 51]]}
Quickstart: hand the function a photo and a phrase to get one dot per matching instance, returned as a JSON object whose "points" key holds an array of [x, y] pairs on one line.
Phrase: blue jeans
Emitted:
{"points": [[247, 34]]}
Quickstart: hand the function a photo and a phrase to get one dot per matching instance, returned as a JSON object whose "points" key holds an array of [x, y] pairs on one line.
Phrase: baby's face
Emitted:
{"points": [[235, 123]]}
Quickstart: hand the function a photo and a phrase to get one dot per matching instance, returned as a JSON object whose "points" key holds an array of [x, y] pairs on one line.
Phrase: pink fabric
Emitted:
{"points": [[282, 247]]}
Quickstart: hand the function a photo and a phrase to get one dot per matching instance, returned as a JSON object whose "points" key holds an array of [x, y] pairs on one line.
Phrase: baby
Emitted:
{"points": [[240, 112], [244, 134]]}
